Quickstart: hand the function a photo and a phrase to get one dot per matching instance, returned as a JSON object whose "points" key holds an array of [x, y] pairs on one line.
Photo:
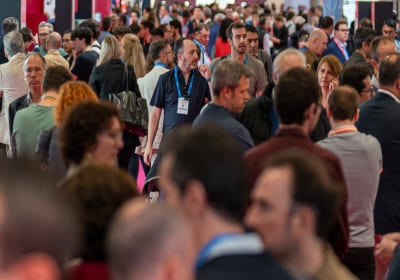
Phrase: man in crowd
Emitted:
{"points": [[207, 16], [12, 83], [297, 102], [45, 29], [280, 35], [181, 92], [31, 121], [202, 174], [218, 18], [68, 45], [379, 117], [53, 57], [359, 77], [201, 35], [389, 30], [94, 33], [338, 45], [145, 35], [357, 152], [168, 33], [317, 43], [9, 24], [230, 84], [293, 210], [164, 15], [106, 23], [363, 43], [381, 46], [327, 25], [237, 38]]}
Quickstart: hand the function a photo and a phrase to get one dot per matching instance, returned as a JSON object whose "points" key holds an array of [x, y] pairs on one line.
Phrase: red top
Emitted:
{"points": [[222, 48], [89, 271]]}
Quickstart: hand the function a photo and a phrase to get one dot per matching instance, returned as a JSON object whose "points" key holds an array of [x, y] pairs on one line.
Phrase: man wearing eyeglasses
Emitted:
{"points": [[338, 45], [45, 29], [389, 30]]}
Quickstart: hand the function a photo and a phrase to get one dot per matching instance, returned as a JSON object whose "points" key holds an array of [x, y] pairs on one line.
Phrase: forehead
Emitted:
{"points": [[290, 61], [342, 25], [188, 45], [44, 29], [387, 27], [252, 35], [386, 48], [238, 31], [204, 31], [67, 35], [34, 61]]}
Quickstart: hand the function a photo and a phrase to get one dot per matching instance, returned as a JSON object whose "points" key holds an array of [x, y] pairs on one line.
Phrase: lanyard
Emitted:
{"points": [[177, 82], [202, 50], [342, 129], [245, 59], [344, 51], [161, 64]]}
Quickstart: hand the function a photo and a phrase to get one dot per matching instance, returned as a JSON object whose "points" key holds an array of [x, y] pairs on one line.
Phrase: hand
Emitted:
{"points": [[147, 155], [334, 84], [35, 38], [384, 251], [205, 71]]}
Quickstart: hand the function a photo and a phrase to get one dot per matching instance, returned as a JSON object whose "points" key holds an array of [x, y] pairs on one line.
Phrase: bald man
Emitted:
{"points": [[316, 43], [53, 57]]}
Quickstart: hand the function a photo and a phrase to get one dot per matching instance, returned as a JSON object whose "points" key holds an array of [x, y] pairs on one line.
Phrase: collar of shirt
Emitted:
{"points": [[342, 129], [15, 55], [390, 94], [29, 99], [343, 45]]}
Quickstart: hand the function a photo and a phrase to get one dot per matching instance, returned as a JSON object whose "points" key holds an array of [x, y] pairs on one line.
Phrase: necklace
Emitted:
{"points": [[50, 98]]}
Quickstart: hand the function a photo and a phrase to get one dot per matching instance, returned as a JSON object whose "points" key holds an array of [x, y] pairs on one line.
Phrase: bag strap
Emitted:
{"points": [[126, 75]]}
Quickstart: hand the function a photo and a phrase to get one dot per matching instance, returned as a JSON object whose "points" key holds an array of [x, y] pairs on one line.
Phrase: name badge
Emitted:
{"points": [[183, 106]]}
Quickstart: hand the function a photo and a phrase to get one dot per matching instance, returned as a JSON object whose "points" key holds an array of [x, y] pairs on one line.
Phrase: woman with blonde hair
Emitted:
{"points": [[132, 54], [328, 70]]}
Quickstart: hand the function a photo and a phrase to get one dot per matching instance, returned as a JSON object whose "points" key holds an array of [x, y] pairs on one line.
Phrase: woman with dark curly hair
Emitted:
{"points": [[91, 132]]}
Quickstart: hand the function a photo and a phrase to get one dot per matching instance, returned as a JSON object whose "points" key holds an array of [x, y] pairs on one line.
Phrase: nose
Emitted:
{"points": [[119, 142], [247, 96]]}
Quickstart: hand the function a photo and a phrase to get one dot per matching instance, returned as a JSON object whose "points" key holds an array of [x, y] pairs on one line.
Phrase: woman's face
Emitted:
{"points": [[109, 143], [325, 75]]}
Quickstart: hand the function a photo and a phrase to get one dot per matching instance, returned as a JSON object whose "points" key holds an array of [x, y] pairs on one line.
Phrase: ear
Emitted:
{"points": [[357, 115], [5, 54], [376, 65], [303, 223], [275, 78], [230, 41], [225, 93], [195, 199], [310, 112], [37, 266]]}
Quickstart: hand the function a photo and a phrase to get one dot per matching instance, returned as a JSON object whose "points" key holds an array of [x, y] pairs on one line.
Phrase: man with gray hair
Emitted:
{"points": [[45, 29], [230, 83], [53, 57], [9, 24], [153, 243], [214, 29], [12, 83]]}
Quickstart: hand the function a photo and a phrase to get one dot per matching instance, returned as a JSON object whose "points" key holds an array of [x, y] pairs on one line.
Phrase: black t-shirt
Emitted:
{"points": [[84, 65]]}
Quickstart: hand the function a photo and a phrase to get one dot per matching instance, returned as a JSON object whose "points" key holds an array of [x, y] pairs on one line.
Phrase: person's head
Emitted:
{"points": [[389, 73], [10, 24], [359, 77], [389, 28], [70, 94], [222, 29], [68, 43], [297, 97], [38, 231], [363, 39], [106, 22], [55, 41], [343, 104], [365, 23], [252, 40], [135, 29], [219, 17], [158, 233], [237, 37], [110, 49], [168, 33], [45, 29], [207, 13], [27, 37], [92, 27], [381, 46], [120, 31], [96, 192], [317, 42], [122, 20], [156, 34], [161, 51], [329, 69], [132, 53], [202, 173], [163, 11], [176, 26], [185, 51], [134, 16], [114, 21], [294, 201], [55, 77], [342, 30], [91, 132], [285, 60], [254, 18], [13, 43], [145, 28], [201, 33], [197, 13], [230, 83], [327, 24], [279, 21], [34, 69], [82, 37]]}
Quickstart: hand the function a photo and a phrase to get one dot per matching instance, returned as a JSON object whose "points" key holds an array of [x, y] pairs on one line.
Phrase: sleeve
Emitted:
{"points": [[158, 98], [11, 114], [266, 44], [77, 70], [94, 82], [262, 77]]}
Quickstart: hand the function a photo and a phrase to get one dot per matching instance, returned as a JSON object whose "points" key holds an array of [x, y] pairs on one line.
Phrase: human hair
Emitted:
{"points": [[326, 22], [311, 187], [199, 27], [224, 26], [343, 103], [13, 43], [96, 192], [177, 25], [46, 24], [136, 12], [70, 94], [366, 23], [82, 33], [339, 22], [379, 41], [251, 28], [106, 23], [68, 31], [135, 28], [363, 35], [122, 30], [333, 63], [26, 34], [54, 77], [390, 22], [389, 70], [80, 127], [92, 26], [147, 24], [296, 91], [32, 54], [155, 233], [35, 217], [10, 24], [110, 49], [228, 74], [156, 48], [354, 75], [178, 46], [134, 54], [290, 15], [123, 19], [213, 158], [290, 51], [207, 12], [157, 32], [235, 25], [54, 41]]}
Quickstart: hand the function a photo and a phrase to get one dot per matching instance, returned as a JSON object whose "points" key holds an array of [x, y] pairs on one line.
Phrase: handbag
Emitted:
{"points": [[133, 108]]}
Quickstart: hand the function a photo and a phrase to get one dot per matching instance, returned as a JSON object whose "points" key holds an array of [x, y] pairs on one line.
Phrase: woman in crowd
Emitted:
{"points": [[222, 46], [329, 69], [132, 54]]}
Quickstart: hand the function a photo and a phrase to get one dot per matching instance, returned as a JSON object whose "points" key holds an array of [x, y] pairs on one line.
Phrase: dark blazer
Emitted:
{"points": [[380, 117], [332, 48], [17, 104]]}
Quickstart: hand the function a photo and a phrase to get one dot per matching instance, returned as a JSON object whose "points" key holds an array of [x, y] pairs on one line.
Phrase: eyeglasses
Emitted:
{"points": [[370, 90], [36, 69], [344, 30], [43, 34], [388, 32]]}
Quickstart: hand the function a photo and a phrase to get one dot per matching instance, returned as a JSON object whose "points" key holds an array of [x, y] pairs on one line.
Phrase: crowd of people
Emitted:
{"points": [[271, 148]]}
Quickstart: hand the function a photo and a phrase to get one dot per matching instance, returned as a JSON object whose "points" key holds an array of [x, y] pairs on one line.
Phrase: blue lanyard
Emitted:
{"points": [[245, 59], [161, 64], [202, 49], [177, 83]]}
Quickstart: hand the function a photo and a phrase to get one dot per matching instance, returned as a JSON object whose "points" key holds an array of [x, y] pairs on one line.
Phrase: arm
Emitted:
{"points": [[153, 125]]}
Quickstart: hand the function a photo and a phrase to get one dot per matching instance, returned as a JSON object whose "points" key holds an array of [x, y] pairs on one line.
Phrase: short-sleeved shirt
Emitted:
{"points": [[166, 97], [259, 79], [84, 65]]}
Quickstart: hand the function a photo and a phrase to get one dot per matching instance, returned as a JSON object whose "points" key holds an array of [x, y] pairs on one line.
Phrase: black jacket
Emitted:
{"points": [[17, 104]]}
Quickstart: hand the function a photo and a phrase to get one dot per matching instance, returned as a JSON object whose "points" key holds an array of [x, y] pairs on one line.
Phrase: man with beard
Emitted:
{"points": [[237, 37], [363, 43]]}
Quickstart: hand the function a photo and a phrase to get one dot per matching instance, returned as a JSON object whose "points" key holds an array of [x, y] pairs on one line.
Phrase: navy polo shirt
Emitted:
{"points": [[166, 97]]}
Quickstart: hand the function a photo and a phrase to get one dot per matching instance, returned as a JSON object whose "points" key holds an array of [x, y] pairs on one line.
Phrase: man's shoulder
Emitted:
{"points": [[20, 102], [254, 63]]}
